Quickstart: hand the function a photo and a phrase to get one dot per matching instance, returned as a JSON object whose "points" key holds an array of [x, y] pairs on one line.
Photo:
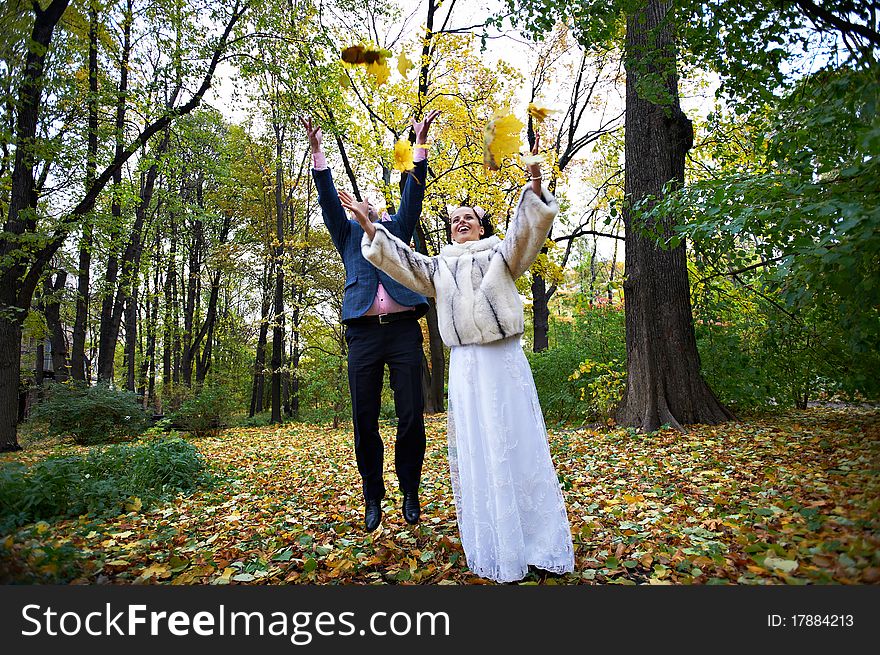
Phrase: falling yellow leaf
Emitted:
{"points": [[403, 156], [540, 113], [380, 71], [344, 82], [404, 65], [501, 139], [134, 505], [42, 527]]}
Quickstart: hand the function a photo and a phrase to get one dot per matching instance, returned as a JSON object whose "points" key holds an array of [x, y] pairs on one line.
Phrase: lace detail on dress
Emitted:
{"points": [[508, 503]]}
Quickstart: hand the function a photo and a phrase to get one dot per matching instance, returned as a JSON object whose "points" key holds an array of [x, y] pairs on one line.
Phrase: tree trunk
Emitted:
{"points": [[435, 377], [106, 353], [260, 359], [664, 384], [152, 326], [128, 279], [540, 314], [10, 372], [192, 291], [52, 312], [22, 200], [278, 323], [131, 315], [80, 325]]}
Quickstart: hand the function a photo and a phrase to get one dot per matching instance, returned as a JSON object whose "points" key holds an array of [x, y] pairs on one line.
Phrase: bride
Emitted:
{"points": [[507, 499]]}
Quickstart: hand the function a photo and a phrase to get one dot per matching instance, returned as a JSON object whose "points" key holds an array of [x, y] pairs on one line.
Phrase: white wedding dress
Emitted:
{"points": [[507, 498]]}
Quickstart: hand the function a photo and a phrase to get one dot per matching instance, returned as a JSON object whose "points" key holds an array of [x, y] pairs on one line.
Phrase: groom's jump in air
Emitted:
{"points": [[382, 327]]}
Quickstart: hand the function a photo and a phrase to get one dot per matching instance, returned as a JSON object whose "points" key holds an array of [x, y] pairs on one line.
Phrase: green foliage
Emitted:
{"points": [[756, 357], [324, 394], [107, 480], [809, 207], [90, 414], [207, 412], [595, 335], [603, 384]]}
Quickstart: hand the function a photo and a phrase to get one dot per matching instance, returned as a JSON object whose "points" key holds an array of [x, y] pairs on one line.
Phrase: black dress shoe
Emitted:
{"points": [[411, 509], [373, 514]]}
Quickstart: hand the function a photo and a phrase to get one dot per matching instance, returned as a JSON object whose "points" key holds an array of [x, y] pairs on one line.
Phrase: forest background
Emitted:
{"points": [[165, 265]]}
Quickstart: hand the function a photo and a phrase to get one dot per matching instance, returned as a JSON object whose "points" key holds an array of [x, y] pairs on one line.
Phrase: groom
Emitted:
{"points": [[382, 327]]}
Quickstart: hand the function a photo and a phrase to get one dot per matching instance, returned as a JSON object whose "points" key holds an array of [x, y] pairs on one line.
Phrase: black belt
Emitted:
{"points": [[383, 319]]}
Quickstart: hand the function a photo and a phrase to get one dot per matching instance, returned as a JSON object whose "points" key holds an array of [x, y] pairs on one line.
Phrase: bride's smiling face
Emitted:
{"points": [[465, 225]]}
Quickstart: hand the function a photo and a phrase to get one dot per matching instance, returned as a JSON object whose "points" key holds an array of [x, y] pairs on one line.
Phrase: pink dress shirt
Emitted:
{"points": [[383, 303]]}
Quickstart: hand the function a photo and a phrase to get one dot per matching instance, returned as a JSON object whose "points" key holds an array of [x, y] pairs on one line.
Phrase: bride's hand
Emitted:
{"points": [[535, 169]]}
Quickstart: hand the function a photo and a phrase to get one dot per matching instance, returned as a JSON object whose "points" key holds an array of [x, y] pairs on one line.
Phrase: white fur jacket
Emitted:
{"points": [[477, 299]]}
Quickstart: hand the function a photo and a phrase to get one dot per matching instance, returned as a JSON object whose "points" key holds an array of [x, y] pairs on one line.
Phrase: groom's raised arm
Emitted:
{"points": [[331, 209]]}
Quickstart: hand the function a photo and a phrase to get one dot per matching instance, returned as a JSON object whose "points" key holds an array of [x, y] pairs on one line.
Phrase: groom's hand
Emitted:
{"points": [[313, 130], [421, 128]]}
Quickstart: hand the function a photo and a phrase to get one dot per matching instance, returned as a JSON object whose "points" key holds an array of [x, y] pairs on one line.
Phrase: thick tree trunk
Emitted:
{"points": [[15, 301], [664, 384], [10, 372]]}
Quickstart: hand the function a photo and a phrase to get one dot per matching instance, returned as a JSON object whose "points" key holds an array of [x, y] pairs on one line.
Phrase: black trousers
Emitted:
{"points": [[370, 348]]}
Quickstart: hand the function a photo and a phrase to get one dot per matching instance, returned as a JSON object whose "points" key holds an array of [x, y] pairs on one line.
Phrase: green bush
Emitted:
{"points": [[602, 387], [91, 415], [597, 335], [207, 412], [104, 481], [324, 394]]}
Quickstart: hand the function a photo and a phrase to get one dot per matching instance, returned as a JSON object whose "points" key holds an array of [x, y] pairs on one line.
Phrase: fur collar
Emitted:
{"points": [[458, 249]]}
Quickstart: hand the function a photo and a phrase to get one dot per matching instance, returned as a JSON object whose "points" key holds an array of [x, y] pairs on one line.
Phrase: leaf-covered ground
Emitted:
{"points": [[789, 498]]}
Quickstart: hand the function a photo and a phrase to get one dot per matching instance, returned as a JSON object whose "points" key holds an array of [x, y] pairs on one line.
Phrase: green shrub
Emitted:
{"points": [[597, 335], [602, 387], [101, 482], [91, 415], [207, 412]]}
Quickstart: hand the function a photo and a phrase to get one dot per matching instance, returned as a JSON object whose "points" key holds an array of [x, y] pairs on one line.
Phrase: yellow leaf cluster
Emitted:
{"points": [[372, 58], [380, 71], [501, 139], [403, 156]]}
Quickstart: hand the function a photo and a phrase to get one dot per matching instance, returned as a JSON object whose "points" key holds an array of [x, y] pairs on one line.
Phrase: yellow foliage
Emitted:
{"points": [[547, 269], [501, 139], [403, 156], [380, 71]]}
